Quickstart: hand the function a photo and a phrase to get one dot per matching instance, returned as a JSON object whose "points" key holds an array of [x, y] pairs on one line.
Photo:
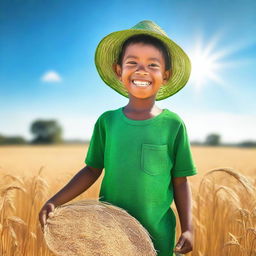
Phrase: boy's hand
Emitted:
{"points": [[185, 243], [45, 213]]}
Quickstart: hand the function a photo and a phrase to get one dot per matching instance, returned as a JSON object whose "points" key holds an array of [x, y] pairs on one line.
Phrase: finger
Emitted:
{"points": [[42, 217], [185, 248], [42, 228], [180, 243], [50, 210], [52, 207]]}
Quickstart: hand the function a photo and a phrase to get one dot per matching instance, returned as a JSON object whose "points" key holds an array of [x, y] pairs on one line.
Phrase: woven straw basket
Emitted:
{"points": [[93, 228]]}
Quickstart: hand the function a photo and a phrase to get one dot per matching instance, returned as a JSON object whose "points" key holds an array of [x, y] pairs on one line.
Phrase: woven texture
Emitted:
{"points": [[93, 228], [110, 46]]}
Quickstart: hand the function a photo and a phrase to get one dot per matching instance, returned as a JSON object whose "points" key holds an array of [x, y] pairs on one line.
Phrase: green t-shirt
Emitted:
{"points": [[140, 157]]}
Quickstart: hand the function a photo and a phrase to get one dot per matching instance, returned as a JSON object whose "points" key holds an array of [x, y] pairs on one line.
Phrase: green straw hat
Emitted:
{"points": [[110, 47]]}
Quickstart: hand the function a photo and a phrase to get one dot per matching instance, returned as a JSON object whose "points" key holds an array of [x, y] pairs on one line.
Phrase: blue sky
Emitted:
{"points": [[47, 66]]}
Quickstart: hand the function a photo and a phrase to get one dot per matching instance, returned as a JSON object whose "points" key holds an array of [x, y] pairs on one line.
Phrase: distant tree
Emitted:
{"points": [[15, 140], [212, 139], [196, 143], [248, 143], [2, 139], [12, 140], [46, 132]]}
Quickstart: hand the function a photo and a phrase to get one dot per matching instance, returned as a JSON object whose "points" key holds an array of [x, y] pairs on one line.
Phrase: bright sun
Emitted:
{"points": [[205, 65]]}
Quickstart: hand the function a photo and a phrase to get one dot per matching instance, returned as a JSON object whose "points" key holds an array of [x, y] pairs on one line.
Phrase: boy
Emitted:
{"points": [[145, 150]]}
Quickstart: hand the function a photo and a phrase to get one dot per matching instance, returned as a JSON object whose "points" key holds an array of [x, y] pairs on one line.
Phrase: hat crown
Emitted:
{"points": [[150, 26]]}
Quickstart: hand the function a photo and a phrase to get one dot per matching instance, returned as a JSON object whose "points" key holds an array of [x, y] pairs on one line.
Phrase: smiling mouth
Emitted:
{"points": [[141, 83]]}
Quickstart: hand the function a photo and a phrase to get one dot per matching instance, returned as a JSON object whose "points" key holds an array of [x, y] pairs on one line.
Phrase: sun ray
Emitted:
{"points": [[208, 63]]}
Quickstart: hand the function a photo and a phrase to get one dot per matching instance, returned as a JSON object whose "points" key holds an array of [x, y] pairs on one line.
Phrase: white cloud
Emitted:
{"points": [[51, 76]]}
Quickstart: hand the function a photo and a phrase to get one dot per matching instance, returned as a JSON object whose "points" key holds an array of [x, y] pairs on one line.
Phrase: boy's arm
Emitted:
{"points": [[182, 198], [78, 184]]}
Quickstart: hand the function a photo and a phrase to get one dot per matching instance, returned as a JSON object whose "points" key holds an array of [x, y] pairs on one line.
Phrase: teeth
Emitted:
{"points": [[140, 83]]}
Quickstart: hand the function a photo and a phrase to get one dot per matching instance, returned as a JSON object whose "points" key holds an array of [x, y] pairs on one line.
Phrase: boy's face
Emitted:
{"points": [[142, 71]]}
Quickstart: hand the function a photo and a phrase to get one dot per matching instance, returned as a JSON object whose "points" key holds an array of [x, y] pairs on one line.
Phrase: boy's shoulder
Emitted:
{"points": [[107, 114], [173, 116]]}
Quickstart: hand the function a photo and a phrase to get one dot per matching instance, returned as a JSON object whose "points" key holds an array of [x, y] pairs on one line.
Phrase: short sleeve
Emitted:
{"points": [[95, 153], [183, 160]]}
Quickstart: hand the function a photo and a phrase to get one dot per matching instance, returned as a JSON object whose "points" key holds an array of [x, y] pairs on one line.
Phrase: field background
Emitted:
{"points": [[43, 170]]}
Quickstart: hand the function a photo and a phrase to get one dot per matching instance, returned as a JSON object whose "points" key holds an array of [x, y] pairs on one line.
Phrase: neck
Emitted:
{"points": [[136, 105], [142, 107]]}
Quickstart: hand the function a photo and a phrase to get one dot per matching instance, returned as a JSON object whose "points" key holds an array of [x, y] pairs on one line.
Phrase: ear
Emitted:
{"points": [[166, 76], [118, 71]]}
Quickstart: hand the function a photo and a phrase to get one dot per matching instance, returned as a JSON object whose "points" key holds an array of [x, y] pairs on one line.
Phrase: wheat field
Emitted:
{"points": [[224, 197]]}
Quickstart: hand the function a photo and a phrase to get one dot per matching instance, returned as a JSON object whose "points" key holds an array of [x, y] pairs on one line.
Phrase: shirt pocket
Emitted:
{"points": [[155, 159]]}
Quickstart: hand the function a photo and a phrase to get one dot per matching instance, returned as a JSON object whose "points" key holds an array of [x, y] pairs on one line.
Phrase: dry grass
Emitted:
{"points": [[224, 199], [225, 215]]}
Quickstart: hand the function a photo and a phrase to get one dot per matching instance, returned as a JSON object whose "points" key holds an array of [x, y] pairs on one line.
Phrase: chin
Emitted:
{"points": [[144, 97]]}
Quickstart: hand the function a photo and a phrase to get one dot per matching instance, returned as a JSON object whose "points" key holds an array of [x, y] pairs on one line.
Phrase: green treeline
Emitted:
{"points": [[50, 132]]}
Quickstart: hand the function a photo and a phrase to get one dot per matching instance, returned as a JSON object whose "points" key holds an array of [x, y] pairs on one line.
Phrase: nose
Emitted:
{"points": [[141, 70]]}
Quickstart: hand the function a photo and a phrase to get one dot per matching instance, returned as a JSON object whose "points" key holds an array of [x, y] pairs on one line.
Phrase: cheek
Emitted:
{"points": [[125, 74], [158, 75]]}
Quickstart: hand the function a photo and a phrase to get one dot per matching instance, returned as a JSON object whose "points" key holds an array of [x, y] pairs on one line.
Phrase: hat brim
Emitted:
{"points": [[109, 49]]}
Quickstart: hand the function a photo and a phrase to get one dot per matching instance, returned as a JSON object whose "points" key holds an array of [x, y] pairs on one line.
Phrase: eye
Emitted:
{"points": [[153, 65], [131, 62]]}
